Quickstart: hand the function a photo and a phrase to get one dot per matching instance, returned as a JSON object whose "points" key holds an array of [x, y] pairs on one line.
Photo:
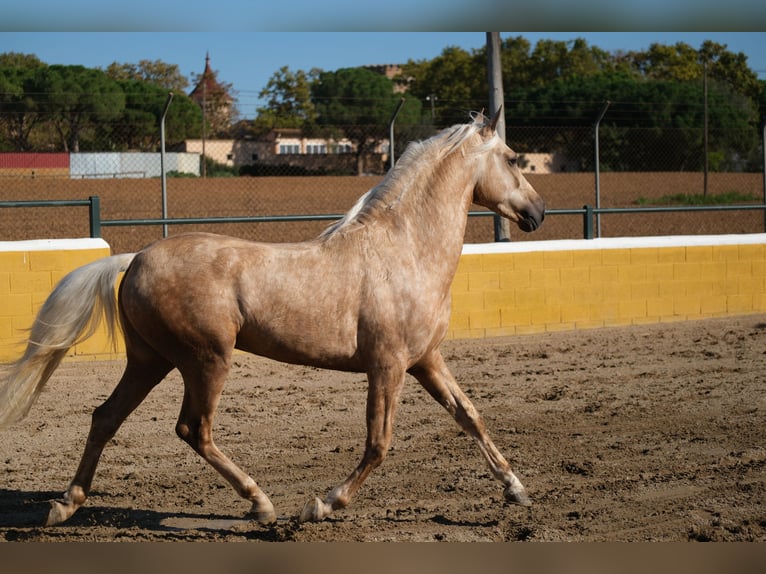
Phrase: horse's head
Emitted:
{"points": [[500, 185]]}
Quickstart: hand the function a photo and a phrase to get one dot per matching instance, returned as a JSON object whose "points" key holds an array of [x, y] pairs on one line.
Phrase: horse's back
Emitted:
{"points": [[285, 301]]}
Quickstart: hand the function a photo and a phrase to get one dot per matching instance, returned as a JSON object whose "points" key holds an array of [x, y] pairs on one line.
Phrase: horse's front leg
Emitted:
{"points": [[437, 379], [385, 385]]}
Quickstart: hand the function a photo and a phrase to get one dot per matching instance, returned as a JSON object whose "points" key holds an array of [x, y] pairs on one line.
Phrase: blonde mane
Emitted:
{"points": [[419, 156]]}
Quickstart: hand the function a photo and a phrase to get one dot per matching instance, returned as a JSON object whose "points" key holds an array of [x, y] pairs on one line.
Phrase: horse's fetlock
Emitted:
{"points": [[75, 495]]}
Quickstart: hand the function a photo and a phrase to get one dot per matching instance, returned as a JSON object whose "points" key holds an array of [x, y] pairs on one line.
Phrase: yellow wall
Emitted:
{"points": [[28, 272], [499, 289], [559, 285]]}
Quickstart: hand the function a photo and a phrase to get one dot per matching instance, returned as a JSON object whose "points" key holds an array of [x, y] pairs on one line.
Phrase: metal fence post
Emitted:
{"points": [[597, 166], [763, 146], [392, 158], [95, 216], [587, 222], [163, 177]]}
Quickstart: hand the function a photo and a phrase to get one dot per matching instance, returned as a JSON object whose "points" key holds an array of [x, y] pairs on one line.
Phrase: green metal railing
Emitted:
{"points": [[588, 213], [93, 203]]}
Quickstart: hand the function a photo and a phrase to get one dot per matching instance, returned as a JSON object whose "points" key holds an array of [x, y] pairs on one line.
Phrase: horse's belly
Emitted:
{"points": [[314, 344]]}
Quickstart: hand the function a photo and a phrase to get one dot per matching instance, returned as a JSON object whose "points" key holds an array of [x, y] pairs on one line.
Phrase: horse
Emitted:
{"points": [[370, 294]]}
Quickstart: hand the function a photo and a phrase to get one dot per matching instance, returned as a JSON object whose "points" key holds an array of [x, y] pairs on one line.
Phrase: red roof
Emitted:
{"points": [[34, 160], [207, 85]]}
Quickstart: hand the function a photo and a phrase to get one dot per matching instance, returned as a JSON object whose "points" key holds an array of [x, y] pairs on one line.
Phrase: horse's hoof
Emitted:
{"points": [[518, 496], [314, 511], [264, 517], [58, 513]]}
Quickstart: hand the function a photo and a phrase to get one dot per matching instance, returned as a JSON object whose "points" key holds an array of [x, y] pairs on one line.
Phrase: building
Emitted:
{"points": [[290, 147], [214, 99], [546, 163]]}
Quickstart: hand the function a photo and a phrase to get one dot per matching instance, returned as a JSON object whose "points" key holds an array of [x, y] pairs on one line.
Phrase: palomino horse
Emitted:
{"points": [[371, 294]]}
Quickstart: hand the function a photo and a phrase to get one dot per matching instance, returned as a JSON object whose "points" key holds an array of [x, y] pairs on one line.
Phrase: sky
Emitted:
{"points": [[248, 59]]}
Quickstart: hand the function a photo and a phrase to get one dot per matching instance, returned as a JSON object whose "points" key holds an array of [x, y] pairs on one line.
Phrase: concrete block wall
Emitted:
{"points": [[29, 270], [532, 287], [499, 289]]}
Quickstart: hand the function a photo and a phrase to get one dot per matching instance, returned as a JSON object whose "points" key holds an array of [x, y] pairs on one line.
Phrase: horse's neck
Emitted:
{"points": [[427, 211]]}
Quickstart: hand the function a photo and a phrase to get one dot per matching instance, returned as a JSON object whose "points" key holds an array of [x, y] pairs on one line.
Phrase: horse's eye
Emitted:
{"points": [[512, 161]]}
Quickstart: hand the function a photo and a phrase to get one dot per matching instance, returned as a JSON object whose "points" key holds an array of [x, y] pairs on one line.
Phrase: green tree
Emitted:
{"points": [[18, 116], [138, 126], [682, 62], [451, 85], [552, 60], [155, 72], [650, 125], [456, 80], [359, 103], [17, 110], [74, 98], [288, 101], [18, 60]]}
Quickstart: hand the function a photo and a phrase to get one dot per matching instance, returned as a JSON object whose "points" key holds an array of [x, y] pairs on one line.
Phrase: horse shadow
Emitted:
{"points": [[23, 513]]}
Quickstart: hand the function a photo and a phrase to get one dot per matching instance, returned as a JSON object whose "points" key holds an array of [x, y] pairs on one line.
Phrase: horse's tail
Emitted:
{"points": [[71, 314]]}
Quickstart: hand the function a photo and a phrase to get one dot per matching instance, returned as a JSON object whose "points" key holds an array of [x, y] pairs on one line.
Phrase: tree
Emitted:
{"points": [[138, 126], [155, 72], [553, 59], [73, 98], [17, 110], [653, 125], [452, 84], [359, 103], [20, 61], [682, 62], [288, 101]]}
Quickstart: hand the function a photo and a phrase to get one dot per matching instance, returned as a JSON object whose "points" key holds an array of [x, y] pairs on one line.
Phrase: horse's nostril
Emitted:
{"points": [[530, 221]]}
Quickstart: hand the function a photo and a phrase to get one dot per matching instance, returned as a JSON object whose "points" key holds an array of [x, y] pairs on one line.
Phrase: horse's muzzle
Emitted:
{"points": [[529, 221]]}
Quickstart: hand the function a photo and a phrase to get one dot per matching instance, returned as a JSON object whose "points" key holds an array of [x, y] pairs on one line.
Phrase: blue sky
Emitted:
{"points": [[248, 59]]}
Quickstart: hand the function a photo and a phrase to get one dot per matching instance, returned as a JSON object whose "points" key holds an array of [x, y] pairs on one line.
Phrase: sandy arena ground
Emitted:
{"points": [[644, 433]]}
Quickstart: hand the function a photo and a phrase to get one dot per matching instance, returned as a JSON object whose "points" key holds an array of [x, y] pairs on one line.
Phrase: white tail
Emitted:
{"points": [[71, 314]]}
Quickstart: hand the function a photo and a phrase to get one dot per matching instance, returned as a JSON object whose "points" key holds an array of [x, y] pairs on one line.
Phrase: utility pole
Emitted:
{"points": [[705, 121], [496, 100], [204, 120]]}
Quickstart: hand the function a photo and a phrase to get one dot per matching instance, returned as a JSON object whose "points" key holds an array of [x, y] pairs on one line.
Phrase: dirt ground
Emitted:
{"points": [[643, 433]]}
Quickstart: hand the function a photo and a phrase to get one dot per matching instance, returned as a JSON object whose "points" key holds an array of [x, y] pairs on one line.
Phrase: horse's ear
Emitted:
{"points": [[496, 118]]}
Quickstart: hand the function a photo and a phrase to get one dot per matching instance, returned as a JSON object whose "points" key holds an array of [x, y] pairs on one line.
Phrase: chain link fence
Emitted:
{"points": [[286, 172]]}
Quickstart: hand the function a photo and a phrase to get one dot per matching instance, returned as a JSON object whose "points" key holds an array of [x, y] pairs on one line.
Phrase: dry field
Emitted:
{"points": [[221, 197]]}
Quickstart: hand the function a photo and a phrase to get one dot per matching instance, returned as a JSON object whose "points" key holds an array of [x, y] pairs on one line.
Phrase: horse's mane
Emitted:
{"points": [[419, 155]]}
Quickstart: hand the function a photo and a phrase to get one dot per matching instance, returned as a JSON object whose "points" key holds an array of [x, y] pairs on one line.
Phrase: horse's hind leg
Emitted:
{"points": [[203, 385], [139, 378], [385, 385], [436, 378]]}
